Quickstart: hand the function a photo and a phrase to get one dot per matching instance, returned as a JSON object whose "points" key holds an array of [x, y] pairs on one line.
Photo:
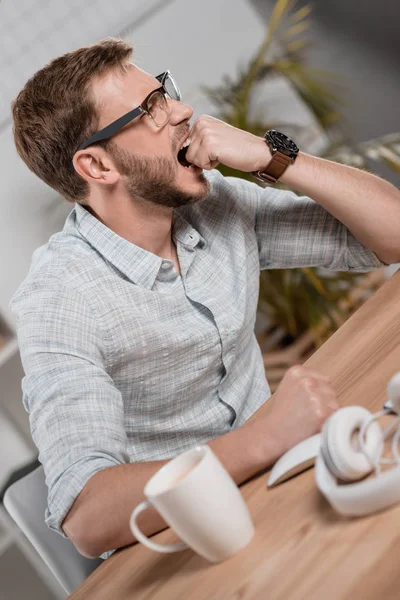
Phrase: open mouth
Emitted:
{"points": [[182, 157], [182, 154]]}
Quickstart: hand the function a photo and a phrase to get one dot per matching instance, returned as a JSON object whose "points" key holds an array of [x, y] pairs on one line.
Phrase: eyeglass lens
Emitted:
{"points": [[158, 108], [171, 88], [157, 104]]}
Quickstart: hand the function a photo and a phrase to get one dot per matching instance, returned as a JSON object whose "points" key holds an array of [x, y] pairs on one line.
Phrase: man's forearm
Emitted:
{"points": [[99, 518], [368, 205]]}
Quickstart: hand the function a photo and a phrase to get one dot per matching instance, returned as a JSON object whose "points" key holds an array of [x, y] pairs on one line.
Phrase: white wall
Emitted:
{"points": [[199, 42], [34, 31]]}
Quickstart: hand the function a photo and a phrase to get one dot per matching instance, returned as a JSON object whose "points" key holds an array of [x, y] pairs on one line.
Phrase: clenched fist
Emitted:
{"points": [[212, 141], [297, 410]]}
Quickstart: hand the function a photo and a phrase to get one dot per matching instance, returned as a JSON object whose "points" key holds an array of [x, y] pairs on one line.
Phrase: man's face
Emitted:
{"points": [[144, 154]]}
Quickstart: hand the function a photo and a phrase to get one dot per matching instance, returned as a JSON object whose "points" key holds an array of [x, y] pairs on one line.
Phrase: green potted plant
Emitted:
{"points": [[302, 306]]}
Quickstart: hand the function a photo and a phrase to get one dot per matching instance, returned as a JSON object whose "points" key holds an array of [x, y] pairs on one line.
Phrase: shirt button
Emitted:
{"points": [[165, 265]]}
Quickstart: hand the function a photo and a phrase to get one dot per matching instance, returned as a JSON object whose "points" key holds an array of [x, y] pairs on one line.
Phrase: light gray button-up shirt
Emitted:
{"points": [[127, 361]]}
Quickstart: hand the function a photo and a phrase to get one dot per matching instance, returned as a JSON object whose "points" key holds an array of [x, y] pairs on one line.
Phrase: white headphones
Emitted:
{"points": [[351, 447]]}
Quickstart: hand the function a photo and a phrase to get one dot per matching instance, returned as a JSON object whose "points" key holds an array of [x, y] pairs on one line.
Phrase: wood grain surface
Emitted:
{"points": [[302, 549]]}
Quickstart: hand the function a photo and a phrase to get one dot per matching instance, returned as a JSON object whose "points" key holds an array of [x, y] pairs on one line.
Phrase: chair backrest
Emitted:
{"points": [[26, 502]]}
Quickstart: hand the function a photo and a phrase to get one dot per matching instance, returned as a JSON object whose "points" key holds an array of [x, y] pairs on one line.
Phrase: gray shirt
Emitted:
{"points": [[127, 361]]}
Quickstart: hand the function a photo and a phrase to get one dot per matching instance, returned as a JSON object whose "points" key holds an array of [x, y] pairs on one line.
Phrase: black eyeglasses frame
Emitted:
{"points": [[116, 125]]}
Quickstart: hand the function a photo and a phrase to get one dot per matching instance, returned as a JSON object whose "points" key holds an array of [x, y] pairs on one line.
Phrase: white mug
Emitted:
{"points": [[198, 498]]}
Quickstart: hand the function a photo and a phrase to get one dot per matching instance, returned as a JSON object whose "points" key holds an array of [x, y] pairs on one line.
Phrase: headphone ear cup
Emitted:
{"points": [[324, 449], [393, 389], [341, 453]]}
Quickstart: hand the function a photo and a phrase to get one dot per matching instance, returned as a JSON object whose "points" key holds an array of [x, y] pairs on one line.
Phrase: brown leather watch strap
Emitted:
{"points": [[275, 168]]}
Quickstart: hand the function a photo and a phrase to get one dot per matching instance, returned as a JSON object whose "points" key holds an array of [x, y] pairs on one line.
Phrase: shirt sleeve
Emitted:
{"points": [[295, 231], [76, 412]]}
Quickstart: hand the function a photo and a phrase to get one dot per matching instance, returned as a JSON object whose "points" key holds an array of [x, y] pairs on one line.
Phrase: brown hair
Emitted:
{"points": [[55, 112]]}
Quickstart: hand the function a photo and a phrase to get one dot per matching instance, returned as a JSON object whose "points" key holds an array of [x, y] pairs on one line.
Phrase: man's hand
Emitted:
{"points": [[298, 409], [213, 142]]}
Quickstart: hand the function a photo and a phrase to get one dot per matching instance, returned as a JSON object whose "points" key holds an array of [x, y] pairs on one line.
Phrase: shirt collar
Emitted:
{"points": [[139, 265]]}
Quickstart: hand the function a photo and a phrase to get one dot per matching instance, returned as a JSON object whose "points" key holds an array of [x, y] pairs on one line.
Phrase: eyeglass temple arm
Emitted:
{"points": [[113, 128], [108, 131]]}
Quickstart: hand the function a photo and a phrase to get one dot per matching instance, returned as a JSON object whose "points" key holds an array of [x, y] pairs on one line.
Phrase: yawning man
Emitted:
{"points": [[136, 321]]}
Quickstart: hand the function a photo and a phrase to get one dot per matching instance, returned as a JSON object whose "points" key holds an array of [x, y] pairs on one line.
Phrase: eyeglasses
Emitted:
{"points": [[155, 105]]}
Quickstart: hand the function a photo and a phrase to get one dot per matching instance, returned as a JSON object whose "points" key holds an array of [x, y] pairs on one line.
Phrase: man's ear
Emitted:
{"points": [[95, 166]]}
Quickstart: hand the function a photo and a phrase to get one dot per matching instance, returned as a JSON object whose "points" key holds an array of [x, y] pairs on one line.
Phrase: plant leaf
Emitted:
{"points": [[296, 29], [301, 13]]}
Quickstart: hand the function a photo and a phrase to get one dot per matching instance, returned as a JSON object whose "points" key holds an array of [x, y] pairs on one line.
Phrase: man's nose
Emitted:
{"points": [[180, 112]]}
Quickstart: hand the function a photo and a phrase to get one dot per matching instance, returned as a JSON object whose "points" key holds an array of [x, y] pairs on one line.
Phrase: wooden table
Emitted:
{"points": [[302, 549]]}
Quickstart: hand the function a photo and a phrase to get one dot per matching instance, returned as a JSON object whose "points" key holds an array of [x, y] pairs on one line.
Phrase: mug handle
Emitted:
{"points": [[145, 540]]}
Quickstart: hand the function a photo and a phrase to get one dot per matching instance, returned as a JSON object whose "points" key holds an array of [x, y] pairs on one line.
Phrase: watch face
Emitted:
{"points": [[280, 141]]}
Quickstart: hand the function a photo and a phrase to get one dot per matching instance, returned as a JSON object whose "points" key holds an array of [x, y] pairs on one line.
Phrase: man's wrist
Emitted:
{"points": [[267, 432], [270, 439], [294, 172], [263, 155], [244, 452]]}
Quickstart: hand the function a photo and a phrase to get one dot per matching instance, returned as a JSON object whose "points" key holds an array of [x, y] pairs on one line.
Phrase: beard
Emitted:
{"points": [[153, 180]]}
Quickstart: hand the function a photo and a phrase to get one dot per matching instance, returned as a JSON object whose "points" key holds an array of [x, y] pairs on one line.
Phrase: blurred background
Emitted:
{"points": [[211, 47]]}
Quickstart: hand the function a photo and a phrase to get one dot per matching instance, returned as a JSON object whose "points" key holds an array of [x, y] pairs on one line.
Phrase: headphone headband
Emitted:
{"points": [[360, 498]]}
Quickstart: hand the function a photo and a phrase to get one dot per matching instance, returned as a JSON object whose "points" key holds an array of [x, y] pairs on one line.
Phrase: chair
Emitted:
{"points": [[17, 459], [26, 501]]}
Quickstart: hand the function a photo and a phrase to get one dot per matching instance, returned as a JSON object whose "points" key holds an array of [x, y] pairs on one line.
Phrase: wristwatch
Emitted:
{"points": [[284, 152]]}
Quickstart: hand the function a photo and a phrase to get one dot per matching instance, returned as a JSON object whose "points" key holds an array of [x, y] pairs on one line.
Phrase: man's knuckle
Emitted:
{"points": [[308, 382], [316, 408], [296, 371]]}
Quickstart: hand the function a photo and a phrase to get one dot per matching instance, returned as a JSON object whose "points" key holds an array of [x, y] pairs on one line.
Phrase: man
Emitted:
{"points": [[136, 322]]}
